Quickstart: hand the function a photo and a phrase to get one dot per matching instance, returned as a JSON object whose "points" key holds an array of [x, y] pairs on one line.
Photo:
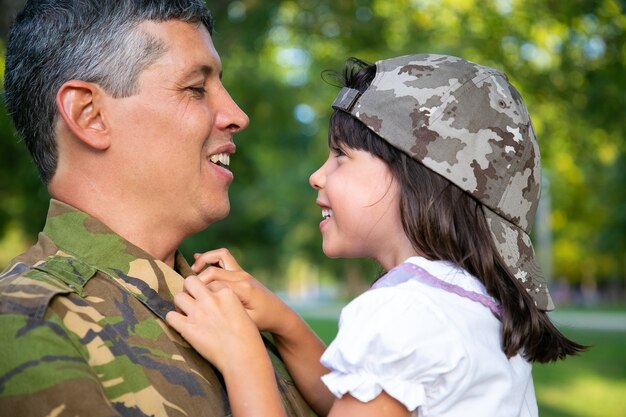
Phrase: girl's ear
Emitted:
{"points": [[80, 105]]}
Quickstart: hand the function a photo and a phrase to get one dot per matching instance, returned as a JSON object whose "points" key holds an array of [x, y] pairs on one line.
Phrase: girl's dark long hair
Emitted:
{"points": [[445, 223]]}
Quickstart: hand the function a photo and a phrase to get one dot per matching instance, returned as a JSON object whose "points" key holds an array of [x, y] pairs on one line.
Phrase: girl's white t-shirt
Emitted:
{"points": [[435, 351]]}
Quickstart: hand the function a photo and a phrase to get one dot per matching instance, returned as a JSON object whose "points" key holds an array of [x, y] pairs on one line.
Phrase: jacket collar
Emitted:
{"points": [[150, 280]]}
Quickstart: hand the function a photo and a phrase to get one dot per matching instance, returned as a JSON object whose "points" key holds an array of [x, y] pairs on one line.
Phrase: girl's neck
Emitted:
{"points": [[397, 252]]}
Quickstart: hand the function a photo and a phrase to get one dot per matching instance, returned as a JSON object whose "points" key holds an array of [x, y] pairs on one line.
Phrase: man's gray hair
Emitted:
{"points": [[54, 41]]}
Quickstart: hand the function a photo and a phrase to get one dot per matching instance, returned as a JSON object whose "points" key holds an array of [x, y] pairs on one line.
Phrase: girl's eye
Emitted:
{"points": [[338, 152]]}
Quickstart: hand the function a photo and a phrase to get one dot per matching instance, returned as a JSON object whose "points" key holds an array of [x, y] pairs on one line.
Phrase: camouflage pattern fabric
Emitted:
{"points": [[467, 123], [82, 332]]}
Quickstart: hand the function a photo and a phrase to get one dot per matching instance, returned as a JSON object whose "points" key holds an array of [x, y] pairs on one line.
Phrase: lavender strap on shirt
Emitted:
{"points": [[406, 271]]}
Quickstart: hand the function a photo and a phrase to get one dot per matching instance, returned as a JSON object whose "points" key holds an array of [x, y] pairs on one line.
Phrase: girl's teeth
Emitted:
{"points": [[326, 213]]}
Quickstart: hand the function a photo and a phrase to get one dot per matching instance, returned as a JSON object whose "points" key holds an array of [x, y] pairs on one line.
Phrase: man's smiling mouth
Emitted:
{"points": [[221, 159]]}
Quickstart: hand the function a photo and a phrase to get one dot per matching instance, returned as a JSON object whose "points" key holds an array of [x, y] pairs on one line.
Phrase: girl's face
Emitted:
{"points": [[360, 202]]}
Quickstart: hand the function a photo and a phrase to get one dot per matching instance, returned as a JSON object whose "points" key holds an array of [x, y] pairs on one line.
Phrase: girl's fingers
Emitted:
{"points": [[183, 302], [219, 314], [220, 257], [197, 295], [216, 286], [213, 273], [176, 320], [194, 286]]}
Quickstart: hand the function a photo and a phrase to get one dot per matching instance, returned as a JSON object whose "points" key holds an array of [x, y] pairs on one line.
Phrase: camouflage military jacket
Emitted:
{"points": [[82, 331]]}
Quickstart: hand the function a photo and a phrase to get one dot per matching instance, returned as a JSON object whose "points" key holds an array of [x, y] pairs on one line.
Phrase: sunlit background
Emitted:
{"points": [[567, 58]]}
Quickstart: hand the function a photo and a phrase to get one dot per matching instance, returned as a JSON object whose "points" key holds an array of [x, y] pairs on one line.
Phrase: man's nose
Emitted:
{"points": [[230, 115]]}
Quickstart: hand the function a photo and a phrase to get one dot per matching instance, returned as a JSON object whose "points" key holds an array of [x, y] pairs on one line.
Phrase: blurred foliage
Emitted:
{"points": [[567, 59]]}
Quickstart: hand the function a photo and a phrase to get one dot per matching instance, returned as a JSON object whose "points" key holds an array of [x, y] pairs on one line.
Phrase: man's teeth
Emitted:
{"points": [[222, 158], [326, 213]]}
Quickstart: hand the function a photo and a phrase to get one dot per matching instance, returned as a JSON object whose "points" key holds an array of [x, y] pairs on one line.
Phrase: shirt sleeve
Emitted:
{"points": [[42, 373], [392, 340]]}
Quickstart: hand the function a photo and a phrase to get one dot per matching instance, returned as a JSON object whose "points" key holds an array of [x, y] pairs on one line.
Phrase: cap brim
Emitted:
{"points": [[516, 250]]}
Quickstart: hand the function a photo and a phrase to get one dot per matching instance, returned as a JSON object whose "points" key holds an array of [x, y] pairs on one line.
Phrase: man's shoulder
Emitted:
{"points": [[27, 286]]}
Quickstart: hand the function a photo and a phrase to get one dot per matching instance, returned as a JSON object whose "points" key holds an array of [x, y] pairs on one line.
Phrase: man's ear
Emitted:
{"points": [[80, 105]]}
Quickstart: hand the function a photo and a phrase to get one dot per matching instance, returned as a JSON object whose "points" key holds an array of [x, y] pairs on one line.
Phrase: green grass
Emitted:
{"points": [[326, 329], [590, 385]]}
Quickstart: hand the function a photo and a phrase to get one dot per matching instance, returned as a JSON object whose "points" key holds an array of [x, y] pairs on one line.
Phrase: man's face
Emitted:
{"points": [[169, 138]]}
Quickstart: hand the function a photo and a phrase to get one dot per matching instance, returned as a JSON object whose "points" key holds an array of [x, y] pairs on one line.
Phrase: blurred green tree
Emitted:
{"points": [[566, 58]]}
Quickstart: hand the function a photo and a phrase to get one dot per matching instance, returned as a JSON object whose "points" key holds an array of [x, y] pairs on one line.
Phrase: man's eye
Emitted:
{"points": [[198, 91]]}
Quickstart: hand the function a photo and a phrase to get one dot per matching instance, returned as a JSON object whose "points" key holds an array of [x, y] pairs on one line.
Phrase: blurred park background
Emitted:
{"points": [[567, 58]]}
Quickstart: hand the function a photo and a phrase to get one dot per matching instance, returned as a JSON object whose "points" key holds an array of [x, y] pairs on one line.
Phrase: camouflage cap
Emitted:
{"points": [[467, 123]]}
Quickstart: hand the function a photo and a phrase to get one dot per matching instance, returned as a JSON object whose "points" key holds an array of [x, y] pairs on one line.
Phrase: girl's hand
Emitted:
{"points": [[212, 319], [267, 310], [298, 345], [215, 323]]}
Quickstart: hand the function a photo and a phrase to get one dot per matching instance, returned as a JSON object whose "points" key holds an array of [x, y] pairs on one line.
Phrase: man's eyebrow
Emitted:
{"points": [[204, 70]]}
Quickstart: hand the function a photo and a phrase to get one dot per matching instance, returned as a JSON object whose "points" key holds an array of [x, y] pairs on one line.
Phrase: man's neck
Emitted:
{"points": [[153, 237]]}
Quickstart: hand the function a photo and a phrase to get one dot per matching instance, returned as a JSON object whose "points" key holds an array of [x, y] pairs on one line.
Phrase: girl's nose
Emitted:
{"points": [[316, 179]]}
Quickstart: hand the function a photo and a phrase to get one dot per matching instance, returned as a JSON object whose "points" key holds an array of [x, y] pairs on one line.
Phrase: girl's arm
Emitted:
{"points": [[383, 405], [235, 346], [298, 345], [213, 303], [301, 350]]}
